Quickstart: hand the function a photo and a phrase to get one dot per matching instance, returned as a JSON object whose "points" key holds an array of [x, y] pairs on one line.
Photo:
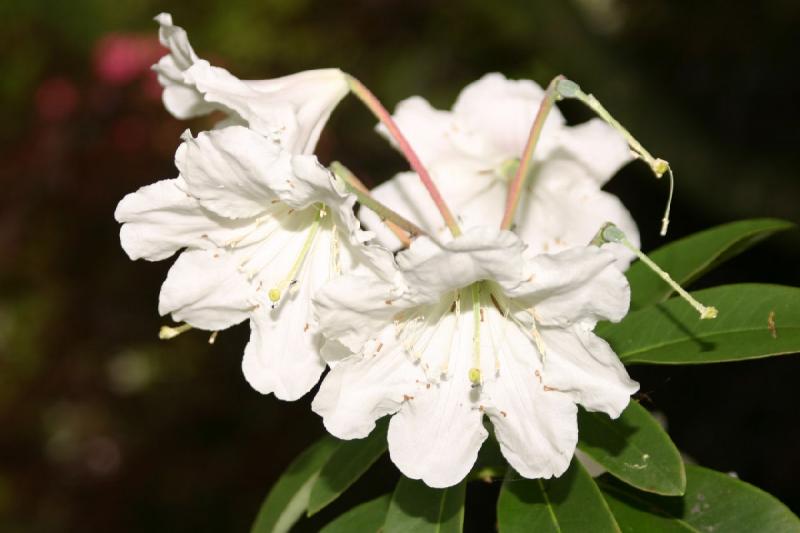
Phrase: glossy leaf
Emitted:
{"points": [[633, 448], [714, 502], [347, 464], [288, 499], [365, 518], [689, 258], [571, 503], [417, 508], [754, 321]]}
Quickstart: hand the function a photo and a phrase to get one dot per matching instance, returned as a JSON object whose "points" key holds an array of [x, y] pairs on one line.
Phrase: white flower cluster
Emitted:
{"points": [[491, 323]]}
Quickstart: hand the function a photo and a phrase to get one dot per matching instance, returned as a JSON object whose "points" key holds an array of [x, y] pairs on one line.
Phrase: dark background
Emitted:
{"points": [[105, 428]]}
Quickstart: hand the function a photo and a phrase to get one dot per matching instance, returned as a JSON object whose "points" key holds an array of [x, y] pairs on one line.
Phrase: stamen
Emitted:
{"points": [[611, 233], [213, 337], [276, 292], [475, 372], [169, 332], [569, 89]]}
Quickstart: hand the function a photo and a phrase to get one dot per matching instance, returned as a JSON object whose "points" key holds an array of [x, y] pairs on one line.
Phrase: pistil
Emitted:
{"points": [[276, 292]]}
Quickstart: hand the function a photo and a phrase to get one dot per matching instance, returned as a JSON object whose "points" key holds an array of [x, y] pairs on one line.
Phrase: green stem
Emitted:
{"points": [[518, 183], [570, 89], [373, 104], [396, 222]]}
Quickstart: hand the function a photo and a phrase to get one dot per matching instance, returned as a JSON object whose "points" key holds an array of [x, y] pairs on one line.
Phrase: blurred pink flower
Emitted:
{"points": [[121, 58]]}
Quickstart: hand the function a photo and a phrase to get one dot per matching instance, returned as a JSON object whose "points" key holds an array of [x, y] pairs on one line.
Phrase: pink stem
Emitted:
{"points": [[374, 105], [515, 189]]}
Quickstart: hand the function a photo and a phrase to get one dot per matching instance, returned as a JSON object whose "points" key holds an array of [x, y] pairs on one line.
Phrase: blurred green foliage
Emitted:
{"points": [[105, 428]]}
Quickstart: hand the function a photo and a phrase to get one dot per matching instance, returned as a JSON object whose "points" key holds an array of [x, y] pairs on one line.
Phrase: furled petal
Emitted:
{"points": [[481, 253], [577, 285], [292, 109], [205, 289], [437, 433], [180, 98], [282, 355], [161, 218], [230, 170], [597, 146], [364, 387], [584, 366]]}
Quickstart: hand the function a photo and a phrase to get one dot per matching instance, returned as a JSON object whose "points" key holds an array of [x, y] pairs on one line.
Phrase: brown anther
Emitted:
{"points": [[538, 376], [407, 398], [453, 307], [504, 414], [274, 201], [305, 328], [388, 302], [549, 389], [378, 349], [481, 314]]}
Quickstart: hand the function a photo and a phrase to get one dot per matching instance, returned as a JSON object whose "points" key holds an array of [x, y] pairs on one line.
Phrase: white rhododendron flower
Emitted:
{"points": [[472, 151], [291, 110], [263, 230], [477, 326]]}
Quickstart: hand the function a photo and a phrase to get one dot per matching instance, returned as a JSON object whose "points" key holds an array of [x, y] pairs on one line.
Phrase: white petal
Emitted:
{"points": [[501, 112], [566, 209], [162, 218], [363, 388], [205, 289], [405, 195], [180, 98], [585, 367], [427, 130], [597, 146], [292, 109], [282, 356], [436, 434], [353, 308], [482, 253], [230, 170], [537, 429], [577, 285]]}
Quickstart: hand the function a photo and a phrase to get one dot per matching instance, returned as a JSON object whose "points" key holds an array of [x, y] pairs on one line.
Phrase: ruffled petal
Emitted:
{"points": [[161, 218], [482, 253], [577, 285], [205, 289], [583, 366], [364, 387], [437, 433], [536, 427], [230, 170], [353, 308], [292, 110]]}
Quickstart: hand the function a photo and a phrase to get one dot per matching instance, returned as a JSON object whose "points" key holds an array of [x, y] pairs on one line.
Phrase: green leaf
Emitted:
{"points": [[689, 258], [569, 504], [714, 502], [365, 518], [288, 499], [417, 508], [754, 321], [633, 448], [346, 466]]}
